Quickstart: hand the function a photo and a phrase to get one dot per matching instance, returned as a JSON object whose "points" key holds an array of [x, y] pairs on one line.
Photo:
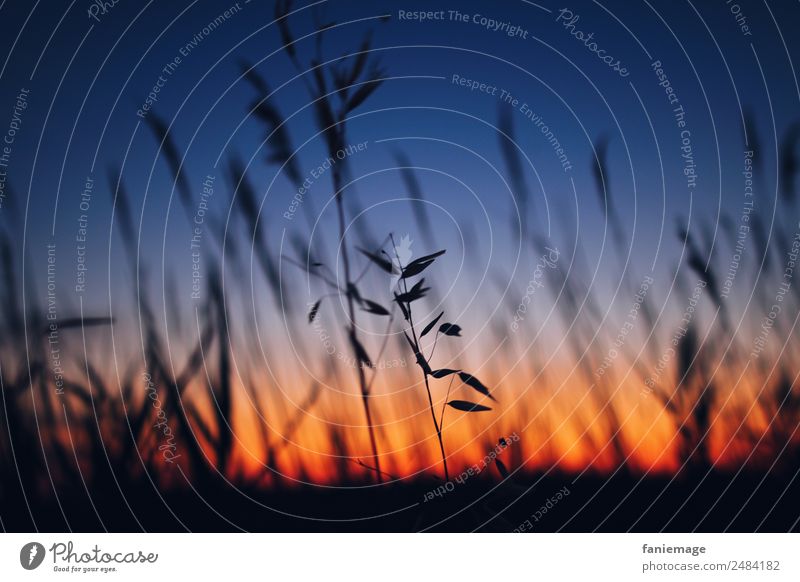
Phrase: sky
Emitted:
{"points": [[87, 80], [88, 74]]}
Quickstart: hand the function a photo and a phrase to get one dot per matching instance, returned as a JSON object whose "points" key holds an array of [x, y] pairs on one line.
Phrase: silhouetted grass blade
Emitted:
{"points": [[423, 363], [443, 372], [402, 307], [361, 352], [416, 266], [465, 406], [789, 163], [600, 173], [501, 468], [174, 159], [429, 327], [475, 384], [85, 322], [375, 308], [282, 10], [384, 264], [450, 329], [312, 314], [416, 292], [365, 90]]}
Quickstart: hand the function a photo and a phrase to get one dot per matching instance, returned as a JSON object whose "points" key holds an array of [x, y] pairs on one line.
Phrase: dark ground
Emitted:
{"points": [[594, 503]]}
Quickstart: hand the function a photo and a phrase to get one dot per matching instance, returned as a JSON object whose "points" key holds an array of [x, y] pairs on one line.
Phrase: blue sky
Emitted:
{"points": [[86, 85]]}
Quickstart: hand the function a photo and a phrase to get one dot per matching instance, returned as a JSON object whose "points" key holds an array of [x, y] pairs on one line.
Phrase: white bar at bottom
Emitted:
{"points": [[404, 557]]}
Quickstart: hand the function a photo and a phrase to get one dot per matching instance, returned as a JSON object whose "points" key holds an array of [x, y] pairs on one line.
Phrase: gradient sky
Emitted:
{"points": [[88, 84], [87, 79]]}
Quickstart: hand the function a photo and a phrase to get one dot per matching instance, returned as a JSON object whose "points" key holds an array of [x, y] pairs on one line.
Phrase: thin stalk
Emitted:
{"points": [[424, 373], [438, 428], [444, 406], [362, 380], [435, 341], [382, 350]]}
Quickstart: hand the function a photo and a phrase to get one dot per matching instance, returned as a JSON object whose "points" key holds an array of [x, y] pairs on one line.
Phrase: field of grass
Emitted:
{"points": [[340, 392]]}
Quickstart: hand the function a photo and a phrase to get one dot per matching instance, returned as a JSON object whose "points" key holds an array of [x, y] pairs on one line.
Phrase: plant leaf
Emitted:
{"points": [[364, 91], [465, 406], [430, 325], [415, 269], [375, 308], [416, 292], [312, 314], [361, 353], [416, 266], [443, 372], [352, 290], [83, 322], [402, 307], [423, 363], [450, 329], [378, 260], [475, 384]]}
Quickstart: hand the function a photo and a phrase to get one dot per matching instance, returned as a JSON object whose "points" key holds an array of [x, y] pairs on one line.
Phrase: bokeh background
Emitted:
{"points": [[620, 253]]}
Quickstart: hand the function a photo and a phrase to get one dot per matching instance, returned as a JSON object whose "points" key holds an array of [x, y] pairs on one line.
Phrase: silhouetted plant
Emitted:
{"points": [[404, 297], [336, 90]]}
